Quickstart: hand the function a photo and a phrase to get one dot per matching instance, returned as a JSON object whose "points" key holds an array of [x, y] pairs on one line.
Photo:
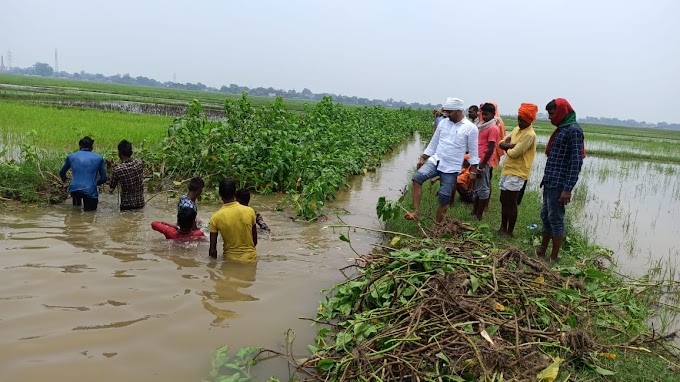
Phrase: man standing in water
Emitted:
{"points": [[236, 224], [129, 174], [89, 171], [520, 150], [444, 156], [565, 151]]}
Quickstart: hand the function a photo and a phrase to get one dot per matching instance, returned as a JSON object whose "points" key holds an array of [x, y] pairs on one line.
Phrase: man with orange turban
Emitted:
{"points": [[565, 152], [520, 149]]}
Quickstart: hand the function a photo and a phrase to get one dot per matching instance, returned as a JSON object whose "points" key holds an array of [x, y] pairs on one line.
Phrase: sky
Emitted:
{"points": [[608, 58]]}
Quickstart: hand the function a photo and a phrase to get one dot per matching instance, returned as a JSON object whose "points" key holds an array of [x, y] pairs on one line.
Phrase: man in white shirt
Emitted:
{"points": [[455, 136]]}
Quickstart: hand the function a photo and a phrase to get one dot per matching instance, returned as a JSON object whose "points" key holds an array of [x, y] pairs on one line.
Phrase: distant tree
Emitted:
{"points": [[42, 69]]}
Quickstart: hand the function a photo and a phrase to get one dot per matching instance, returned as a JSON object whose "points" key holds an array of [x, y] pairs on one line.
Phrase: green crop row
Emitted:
{"points": [[271, 149]]}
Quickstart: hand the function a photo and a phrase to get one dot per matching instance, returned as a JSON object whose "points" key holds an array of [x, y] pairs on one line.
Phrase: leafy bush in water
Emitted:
{"points": [[271, 149]]}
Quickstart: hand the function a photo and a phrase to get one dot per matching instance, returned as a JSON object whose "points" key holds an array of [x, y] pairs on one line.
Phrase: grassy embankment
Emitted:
{"points": [[630, 365]]}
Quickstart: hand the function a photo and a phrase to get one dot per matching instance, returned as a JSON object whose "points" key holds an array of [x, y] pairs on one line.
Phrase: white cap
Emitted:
{"points": [[453, 104]]}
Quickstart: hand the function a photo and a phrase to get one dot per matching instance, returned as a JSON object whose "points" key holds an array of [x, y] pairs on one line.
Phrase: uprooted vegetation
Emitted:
{"points": [[463, 309]]}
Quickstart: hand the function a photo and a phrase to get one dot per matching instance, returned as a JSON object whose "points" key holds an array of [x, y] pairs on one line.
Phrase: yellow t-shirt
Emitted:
{"points": [[235, 224], [520, 158]]}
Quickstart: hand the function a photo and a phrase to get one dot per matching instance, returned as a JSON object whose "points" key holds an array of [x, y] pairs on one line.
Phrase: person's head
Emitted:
{"points": [[86, 143], [488, 112], [526, 115], [551, 107], [186, 216], [243, 196], [558, 109], [124, 149], [227, 190], [196, 185], [453, 109], [473, 111]]}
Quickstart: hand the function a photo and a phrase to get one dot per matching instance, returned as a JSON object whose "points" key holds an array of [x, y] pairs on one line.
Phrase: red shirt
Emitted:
{"points": [[171, 232], [490, 134]]}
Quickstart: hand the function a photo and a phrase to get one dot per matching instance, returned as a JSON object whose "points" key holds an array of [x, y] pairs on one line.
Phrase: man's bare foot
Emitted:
{"points": [[411, 216], [540, 252]]}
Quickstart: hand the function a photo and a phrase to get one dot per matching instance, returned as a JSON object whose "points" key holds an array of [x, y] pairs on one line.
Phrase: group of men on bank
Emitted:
{"points": [[474, 146]]}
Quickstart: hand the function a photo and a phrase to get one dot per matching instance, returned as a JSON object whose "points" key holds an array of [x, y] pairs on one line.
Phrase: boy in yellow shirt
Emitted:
{"points": [[520, 149], [236, 224]]}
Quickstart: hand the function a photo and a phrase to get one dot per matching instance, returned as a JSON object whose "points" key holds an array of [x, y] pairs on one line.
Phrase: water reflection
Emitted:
{"points": [[230, 280]]}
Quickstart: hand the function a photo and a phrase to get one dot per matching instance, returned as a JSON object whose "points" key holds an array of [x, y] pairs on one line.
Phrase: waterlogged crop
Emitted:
{"points": [[271, 149]]}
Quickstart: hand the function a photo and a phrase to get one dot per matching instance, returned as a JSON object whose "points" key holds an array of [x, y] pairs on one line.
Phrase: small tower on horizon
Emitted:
{"points": [[2, 64], [56, 61]]}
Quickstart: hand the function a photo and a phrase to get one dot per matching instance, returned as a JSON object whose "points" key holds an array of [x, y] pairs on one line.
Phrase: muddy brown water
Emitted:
{"points": [[100, 296]]}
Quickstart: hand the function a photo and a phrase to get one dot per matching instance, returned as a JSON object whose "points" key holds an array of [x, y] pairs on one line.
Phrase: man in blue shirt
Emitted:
{"points": [[565, 151], [89, 171]]}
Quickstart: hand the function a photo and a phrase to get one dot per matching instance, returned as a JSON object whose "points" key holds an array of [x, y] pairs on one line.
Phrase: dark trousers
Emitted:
{"points": [[89, 204], [521, 193]]}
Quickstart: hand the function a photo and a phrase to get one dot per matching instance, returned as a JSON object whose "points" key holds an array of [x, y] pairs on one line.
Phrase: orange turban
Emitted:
{"points": [[527, 111]]}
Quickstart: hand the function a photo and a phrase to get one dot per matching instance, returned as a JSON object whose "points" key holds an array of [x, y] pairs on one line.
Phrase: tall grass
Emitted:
{"points": [[59, 129]]}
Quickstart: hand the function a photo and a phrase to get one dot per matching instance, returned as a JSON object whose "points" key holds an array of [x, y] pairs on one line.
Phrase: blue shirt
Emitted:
{"points": [[85, 165], [565, 159]]}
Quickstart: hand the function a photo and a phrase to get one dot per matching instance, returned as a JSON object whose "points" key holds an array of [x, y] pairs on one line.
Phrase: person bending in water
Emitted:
{"points": [[188, 200], [186, 219], [243, 197]]}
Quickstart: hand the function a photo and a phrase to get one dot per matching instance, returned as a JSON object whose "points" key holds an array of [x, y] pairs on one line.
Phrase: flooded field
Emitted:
{"points": [[103, 297], [628, 206]]}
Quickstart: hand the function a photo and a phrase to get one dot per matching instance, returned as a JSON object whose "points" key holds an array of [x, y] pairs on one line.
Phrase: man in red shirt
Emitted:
{"points": [[488, 139]]}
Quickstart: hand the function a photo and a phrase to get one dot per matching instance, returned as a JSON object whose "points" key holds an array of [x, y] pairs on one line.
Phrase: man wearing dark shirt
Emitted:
{"points": [[89, 171], [129, 175], [565, 151]]}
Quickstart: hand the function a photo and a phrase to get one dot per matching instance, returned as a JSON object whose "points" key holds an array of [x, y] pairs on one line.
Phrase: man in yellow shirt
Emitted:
{"points": [[520, 147], [236, 224]]}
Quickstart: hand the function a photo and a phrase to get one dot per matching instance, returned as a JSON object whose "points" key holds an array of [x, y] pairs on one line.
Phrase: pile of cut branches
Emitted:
{"points": [[464, 309]]}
